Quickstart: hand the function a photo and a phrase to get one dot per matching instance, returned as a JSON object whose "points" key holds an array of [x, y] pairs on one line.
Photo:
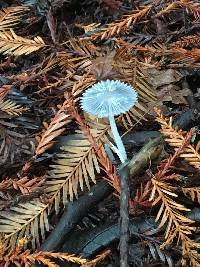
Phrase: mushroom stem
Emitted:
{"points": [[120, 146]]}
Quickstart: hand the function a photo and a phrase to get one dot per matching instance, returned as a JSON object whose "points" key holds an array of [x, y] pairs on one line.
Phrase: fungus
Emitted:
{"points": [[108, 99]]}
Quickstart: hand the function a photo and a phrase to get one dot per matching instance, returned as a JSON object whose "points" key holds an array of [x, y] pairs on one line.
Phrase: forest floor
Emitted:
{"points": [[60, 184]]}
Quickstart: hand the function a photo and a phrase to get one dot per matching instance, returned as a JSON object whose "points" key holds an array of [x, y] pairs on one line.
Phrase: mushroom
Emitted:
{"points": [[108, 99]]}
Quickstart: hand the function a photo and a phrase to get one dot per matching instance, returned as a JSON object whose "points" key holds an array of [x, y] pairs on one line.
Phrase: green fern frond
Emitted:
{"points": [[11, 108], [11, 16], [12, 44]]}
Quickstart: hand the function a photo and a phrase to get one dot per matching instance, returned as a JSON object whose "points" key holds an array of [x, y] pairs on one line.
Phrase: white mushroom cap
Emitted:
{"points": [[108, 98]]}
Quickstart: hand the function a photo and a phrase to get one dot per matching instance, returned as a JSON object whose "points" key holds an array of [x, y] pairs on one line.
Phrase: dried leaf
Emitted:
{"points": [[102, 67]]}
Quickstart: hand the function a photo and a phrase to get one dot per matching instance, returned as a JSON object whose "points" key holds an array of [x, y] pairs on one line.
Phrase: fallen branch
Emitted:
{"points": [[124, 215]]}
